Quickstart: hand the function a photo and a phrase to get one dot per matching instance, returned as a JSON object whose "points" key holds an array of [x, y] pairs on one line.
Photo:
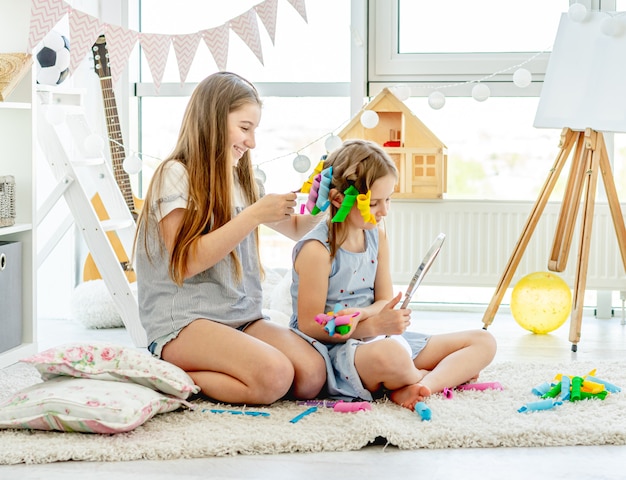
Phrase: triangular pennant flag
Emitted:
{"points": [[185, 47], [44, 14], [84, 31], [217, 41], [267, 13], [120, 42], [300, 8], [157, 47], [246, 26]]}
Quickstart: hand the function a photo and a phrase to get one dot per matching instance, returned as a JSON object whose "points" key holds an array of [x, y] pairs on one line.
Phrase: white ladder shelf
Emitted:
{"points": [[85, 175]]}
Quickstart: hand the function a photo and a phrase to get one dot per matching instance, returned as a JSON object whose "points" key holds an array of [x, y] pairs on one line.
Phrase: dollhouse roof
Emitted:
{"points": [[416, 133]]}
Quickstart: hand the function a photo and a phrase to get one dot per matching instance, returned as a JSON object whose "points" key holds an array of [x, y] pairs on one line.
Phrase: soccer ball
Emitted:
{"points": [[53, 59]]}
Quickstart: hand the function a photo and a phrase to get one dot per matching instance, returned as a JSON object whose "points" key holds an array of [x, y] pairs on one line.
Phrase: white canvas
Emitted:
{"points": [[585, 82]]}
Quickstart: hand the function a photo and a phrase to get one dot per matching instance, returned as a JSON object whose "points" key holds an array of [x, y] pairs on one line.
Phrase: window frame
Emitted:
{"points": [[424, 72]]}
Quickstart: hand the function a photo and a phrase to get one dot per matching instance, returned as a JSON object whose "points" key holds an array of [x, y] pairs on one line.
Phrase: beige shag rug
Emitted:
{"points": [[469, 419]]}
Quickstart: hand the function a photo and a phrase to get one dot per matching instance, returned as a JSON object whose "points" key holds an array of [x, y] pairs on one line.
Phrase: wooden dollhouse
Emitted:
{"points": [[420, 156]]}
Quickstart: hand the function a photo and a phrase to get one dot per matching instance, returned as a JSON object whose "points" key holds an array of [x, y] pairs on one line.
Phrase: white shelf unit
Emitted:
{"points": [[17, 127]]}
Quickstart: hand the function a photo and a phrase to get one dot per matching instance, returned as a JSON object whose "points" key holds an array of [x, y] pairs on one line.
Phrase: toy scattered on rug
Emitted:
{"points": [[332, 323], [339, 405], [449, 392], [423, 411], [568, 387]]}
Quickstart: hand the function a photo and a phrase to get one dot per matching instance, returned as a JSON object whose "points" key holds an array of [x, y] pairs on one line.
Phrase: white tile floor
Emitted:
{"points": [[601, 339]]}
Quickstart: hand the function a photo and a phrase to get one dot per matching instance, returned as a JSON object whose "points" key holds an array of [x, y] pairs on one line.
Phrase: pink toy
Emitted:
{"points": [[480, 386], [332, 324], [345, 407]]}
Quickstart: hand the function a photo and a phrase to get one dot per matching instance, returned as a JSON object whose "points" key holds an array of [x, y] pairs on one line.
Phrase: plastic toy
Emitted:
{"points": [[540, 405], [306, 186], [238, 412], [570, 388], [541, 389], [480, 386], [345, 407], [299, 417], [336, 324], [363, 204], [607, 385], [423, 411], [349, 198]]}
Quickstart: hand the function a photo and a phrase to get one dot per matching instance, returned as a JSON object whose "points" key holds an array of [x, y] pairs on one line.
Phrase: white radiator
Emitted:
{"points": [[481, 236]]}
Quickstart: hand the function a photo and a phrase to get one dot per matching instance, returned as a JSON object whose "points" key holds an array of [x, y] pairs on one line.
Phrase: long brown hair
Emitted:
{"points": [[359, 163], [202, 149]]}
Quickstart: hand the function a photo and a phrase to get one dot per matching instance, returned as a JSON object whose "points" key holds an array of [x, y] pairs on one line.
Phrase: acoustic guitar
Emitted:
{"points": [[116, 148]]}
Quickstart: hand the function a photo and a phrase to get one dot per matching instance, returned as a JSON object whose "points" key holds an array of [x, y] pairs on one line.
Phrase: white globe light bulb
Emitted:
{"points": [[436, 100], [611, 27], [93, 145], [301, 163], [259, 175], [369, 119], [480, 92], [333, 142], [522, 78], [132, 164], [577, 12]]}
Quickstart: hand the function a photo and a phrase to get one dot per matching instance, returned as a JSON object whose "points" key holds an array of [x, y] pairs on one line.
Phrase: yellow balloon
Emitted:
{"points": [[541, 302]]}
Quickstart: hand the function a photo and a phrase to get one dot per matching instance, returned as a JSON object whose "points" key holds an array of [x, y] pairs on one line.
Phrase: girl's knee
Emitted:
{"points": [[310, 377], [275, 382]]}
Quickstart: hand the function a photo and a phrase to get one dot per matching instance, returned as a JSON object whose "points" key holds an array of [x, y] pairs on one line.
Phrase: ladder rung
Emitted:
{"points": [[119, 224]]}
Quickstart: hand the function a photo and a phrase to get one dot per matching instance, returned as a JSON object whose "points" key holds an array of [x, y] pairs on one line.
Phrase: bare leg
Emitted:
{"points": [[455, 358], [385, 363], [229, 365], [308, 363]]}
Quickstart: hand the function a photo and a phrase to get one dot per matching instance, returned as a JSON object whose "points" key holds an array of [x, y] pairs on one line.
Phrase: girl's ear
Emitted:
{"points": [[335, 197]]}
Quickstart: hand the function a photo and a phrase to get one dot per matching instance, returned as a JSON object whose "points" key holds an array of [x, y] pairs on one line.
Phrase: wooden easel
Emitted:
{"points": [[590, 156]]}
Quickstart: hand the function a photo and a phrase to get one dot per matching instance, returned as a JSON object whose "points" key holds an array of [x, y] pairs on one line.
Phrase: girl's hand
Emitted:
{"points": [[390, 321], [273, 207]]}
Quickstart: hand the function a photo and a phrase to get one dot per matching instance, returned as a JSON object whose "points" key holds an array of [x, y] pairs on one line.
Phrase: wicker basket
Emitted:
{"points": [[7, 201]]}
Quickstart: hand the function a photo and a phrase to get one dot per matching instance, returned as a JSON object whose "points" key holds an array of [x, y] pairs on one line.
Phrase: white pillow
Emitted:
{"points": [[84, 405], [280, 298], [105, 361]]}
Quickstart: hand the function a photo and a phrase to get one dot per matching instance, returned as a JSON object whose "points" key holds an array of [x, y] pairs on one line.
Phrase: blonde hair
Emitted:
{"points": [[359, 163], [202, 149]]}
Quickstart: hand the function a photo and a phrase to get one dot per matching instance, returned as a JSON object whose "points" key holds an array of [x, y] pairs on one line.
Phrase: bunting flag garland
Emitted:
{"points": [[246, 26], [185, 47], [44, 15], [120, 42], [85, 29], [267, 13], [300, 8], [156, 46], [217, 41]]}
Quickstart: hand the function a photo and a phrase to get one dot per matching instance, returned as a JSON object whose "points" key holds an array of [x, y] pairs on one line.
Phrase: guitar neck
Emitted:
{"points": [[116, 142]]}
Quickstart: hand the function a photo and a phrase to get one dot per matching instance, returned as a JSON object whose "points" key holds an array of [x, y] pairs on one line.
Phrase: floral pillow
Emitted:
{"points": [[84, 405], [105, 361]]}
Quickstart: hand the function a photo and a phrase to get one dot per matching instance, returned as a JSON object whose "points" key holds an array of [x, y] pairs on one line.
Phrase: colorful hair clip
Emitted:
{"points": [[363, 204], [306, 186], [349, 198], [322, 202]]}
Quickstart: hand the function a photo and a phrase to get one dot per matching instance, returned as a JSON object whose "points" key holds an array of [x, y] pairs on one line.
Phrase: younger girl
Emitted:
{"points": [[198, 267], [342, 265]]}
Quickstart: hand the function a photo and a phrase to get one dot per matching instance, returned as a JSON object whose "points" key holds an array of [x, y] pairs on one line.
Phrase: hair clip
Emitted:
{"points": [[320, 189], [349, 197], [363, 204], [306, 186]]}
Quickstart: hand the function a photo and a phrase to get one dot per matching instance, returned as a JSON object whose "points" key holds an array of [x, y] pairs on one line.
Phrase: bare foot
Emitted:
{"points": [[408, 396]]}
